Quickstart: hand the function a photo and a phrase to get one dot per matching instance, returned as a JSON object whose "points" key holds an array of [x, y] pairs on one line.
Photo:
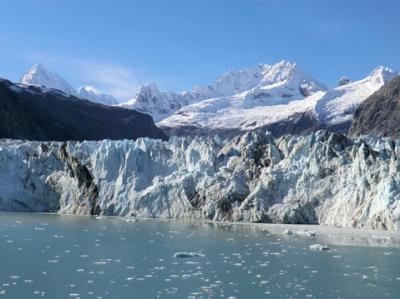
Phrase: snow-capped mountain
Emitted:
{"points": [[285, 100], [280, 97], [336, 107], [260, 86], [149, 99], [92, 94], [39, 75]]}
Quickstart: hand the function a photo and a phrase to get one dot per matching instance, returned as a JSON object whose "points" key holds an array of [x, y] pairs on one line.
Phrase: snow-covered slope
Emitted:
{"points": [[285, 97], [263, 85], [39, 75], [149, 99], [322, 178], [336, 107], [92, 94]]}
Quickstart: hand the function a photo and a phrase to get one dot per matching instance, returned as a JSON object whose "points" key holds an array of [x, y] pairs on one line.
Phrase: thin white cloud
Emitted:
{"points": [[113, 79], [110, 78]]}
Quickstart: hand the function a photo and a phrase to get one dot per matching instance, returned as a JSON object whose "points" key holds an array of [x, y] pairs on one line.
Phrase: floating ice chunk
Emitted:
{"points": [[53, 261], [131, 219], [184, 254], [287, 232], [319, 247], [306, 233]]}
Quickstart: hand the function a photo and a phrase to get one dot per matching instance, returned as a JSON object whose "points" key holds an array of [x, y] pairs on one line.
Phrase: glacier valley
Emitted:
{"points": [[322, 178]]}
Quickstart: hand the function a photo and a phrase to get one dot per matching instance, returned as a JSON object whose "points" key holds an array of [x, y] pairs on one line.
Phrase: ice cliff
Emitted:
{"points": [[322, 178]]}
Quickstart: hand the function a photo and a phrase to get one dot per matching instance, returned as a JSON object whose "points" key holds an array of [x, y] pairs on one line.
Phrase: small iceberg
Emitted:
{"points": [[183, 254], [306, 233], [287, 232], [131, 219], [318, 247]]}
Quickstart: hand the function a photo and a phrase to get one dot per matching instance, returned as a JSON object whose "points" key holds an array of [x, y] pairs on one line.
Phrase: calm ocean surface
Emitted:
{"points": [[51, 256]]}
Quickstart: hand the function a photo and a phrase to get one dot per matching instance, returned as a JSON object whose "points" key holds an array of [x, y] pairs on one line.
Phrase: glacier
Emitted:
{"points": [[322, 178]]}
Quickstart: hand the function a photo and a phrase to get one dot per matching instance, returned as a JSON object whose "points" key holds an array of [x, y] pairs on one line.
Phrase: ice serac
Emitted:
{"points": [[39, 75], [323, 178], [92, 94]]}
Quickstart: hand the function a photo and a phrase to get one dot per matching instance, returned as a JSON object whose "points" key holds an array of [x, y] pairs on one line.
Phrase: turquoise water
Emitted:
{"points": [[50, 256]]}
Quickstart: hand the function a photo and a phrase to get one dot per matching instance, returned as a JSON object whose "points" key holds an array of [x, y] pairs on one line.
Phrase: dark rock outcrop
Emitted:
{"points": [[344, 81], [300, 124], [380, 114], [36, 114]]}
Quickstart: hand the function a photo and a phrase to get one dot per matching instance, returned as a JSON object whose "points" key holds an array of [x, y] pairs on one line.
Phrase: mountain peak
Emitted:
{"points": [[91, 89], [289, 75], [286, 64], [39, 75], [279, 72], [34, 73], [382, 74], [92, 94], [149, 90], [344, 80], [38, 67]]}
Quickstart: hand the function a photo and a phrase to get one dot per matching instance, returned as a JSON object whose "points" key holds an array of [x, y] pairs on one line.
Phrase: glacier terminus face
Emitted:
{"points": [[323, 178]]}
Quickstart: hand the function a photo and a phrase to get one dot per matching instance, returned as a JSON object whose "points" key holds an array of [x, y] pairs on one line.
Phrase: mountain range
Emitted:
{"points": [[40, 76], [280, 97]]}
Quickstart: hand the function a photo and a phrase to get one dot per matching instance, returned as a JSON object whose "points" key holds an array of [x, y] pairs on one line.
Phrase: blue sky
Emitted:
{"points": [[119, 45]]}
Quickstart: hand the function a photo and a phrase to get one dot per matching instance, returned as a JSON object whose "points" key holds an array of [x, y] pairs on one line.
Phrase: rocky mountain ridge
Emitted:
{"points": [[380, 113], [35, 113]]}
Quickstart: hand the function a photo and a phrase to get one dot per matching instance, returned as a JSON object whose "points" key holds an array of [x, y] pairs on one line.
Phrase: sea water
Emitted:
{"points": [[53, 256]]}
